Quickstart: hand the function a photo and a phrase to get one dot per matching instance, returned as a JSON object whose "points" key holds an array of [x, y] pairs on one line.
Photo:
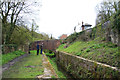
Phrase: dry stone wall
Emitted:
{"points": [[81, 68]]}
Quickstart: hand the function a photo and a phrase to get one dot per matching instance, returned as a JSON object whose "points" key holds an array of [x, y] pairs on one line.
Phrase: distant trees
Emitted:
{"points": [[33, 28]]}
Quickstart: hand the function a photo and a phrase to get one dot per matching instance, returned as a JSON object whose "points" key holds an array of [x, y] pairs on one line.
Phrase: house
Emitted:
{"points": [[64, 36], [85, 26]]}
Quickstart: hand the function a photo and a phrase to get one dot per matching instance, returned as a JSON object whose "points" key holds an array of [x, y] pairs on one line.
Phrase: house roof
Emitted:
{"points": [[64, 36], [86, 24]]}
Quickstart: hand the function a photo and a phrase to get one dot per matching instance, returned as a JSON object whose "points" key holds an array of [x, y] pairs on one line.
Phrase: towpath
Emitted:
{"points": [[48, 69]]}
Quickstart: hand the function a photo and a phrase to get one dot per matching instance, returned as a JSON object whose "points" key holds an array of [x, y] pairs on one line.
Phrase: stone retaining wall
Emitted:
{"points": [[10, 48], [81, 68]]}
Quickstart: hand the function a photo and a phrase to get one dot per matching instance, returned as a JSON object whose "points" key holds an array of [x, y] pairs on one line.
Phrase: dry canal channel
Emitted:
{"points": [[32, 66]]}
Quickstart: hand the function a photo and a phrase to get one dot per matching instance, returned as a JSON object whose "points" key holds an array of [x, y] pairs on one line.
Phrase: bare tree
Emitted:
{"points": [[10, 15]]}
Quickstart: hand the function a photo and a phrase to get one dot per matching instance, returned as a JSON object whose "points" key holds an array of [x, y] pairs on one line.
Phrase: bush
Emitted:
{"points": [[87, 50], [51, 55], [78, 54]]}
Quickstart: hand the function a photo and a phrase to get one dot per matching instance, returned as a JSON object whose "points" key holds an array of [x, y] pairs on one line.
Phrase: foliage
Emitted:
{"points": [[93, 34], [14, 30], [109, 11], [61, 47], [9, 45], [25, 36], [50, 54], [28, 67], [115, 20], [58, 72], [78, 54], [21, 36], [87, 50], [10, 56], [11, 17], [73, 37], [105, 10]]}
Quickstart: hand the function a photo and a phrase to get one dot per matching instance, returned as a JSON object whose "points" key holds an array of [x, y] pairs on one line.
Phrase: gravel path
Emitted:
{"points": [[6, 66]]}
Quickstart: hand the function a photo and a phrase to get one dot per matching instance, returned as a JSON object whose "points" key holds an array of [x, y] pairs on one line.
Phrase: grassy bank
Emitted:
{"points": [[104, 52], [28, 67], [10, 56], [52, 60]]}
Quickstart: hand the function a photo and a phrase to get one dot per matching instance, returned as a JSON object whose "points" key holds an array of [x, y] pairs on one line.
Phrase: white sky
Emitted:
{"points": [[59, 17]]}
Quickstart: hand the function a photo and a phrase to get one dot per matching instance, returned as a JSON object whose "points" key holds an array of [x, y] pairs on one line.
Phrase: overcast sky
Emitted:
{"points": [[59, 17]]}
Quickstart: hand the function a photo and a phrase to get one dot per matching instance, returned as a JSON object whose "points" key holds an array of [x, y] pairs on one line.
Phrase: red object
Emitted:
{"points": [[82, 26], [64, 36]]}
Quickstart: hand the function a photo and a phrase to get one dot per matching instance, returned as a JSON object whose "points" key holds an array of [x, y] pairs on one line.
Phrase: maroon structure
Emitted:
{"points": [[47, 44]]}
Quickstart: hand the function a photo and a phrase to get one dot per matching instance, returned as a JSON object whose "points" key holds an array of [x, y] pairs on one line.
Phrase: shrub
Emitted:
{"points": [[87, 50], [51, 55], [78, 54]]}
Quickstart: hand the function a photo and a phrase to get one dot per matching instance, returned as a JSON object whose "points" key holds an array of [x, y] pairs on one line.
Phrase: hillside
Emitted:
{"points": [[97, 49]]}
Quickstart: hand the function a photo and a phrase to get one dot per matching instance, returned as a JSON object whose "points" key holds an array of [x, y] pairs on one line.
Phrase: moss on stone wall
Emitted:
{"points": [[81, 68]]}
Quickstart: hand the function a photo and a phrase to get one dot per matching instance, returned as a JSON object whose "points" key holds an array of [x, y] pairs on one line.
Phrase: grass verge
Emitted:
{"points": [[10, 56], [53, 63]]}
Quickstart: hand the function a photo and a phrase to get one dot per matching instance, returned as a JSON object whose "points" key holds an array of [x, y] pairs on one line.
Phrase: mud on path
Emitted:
{"points": [[48, 69], [12, 62]]}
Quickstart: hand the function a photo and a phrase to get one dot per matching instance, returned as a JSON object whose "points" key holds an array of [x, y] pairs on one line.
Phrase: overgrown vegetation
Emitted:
{"points": [[28, 67], [104, 52], [10, 56], [52, 60], [58, 72], [106, 10], [50, 54]]}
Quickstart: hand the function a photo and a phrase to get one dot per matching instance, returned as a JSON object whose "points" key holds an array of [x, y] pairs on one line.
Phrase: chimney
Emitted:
{"points": [[82, 22], [82, 26]]}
